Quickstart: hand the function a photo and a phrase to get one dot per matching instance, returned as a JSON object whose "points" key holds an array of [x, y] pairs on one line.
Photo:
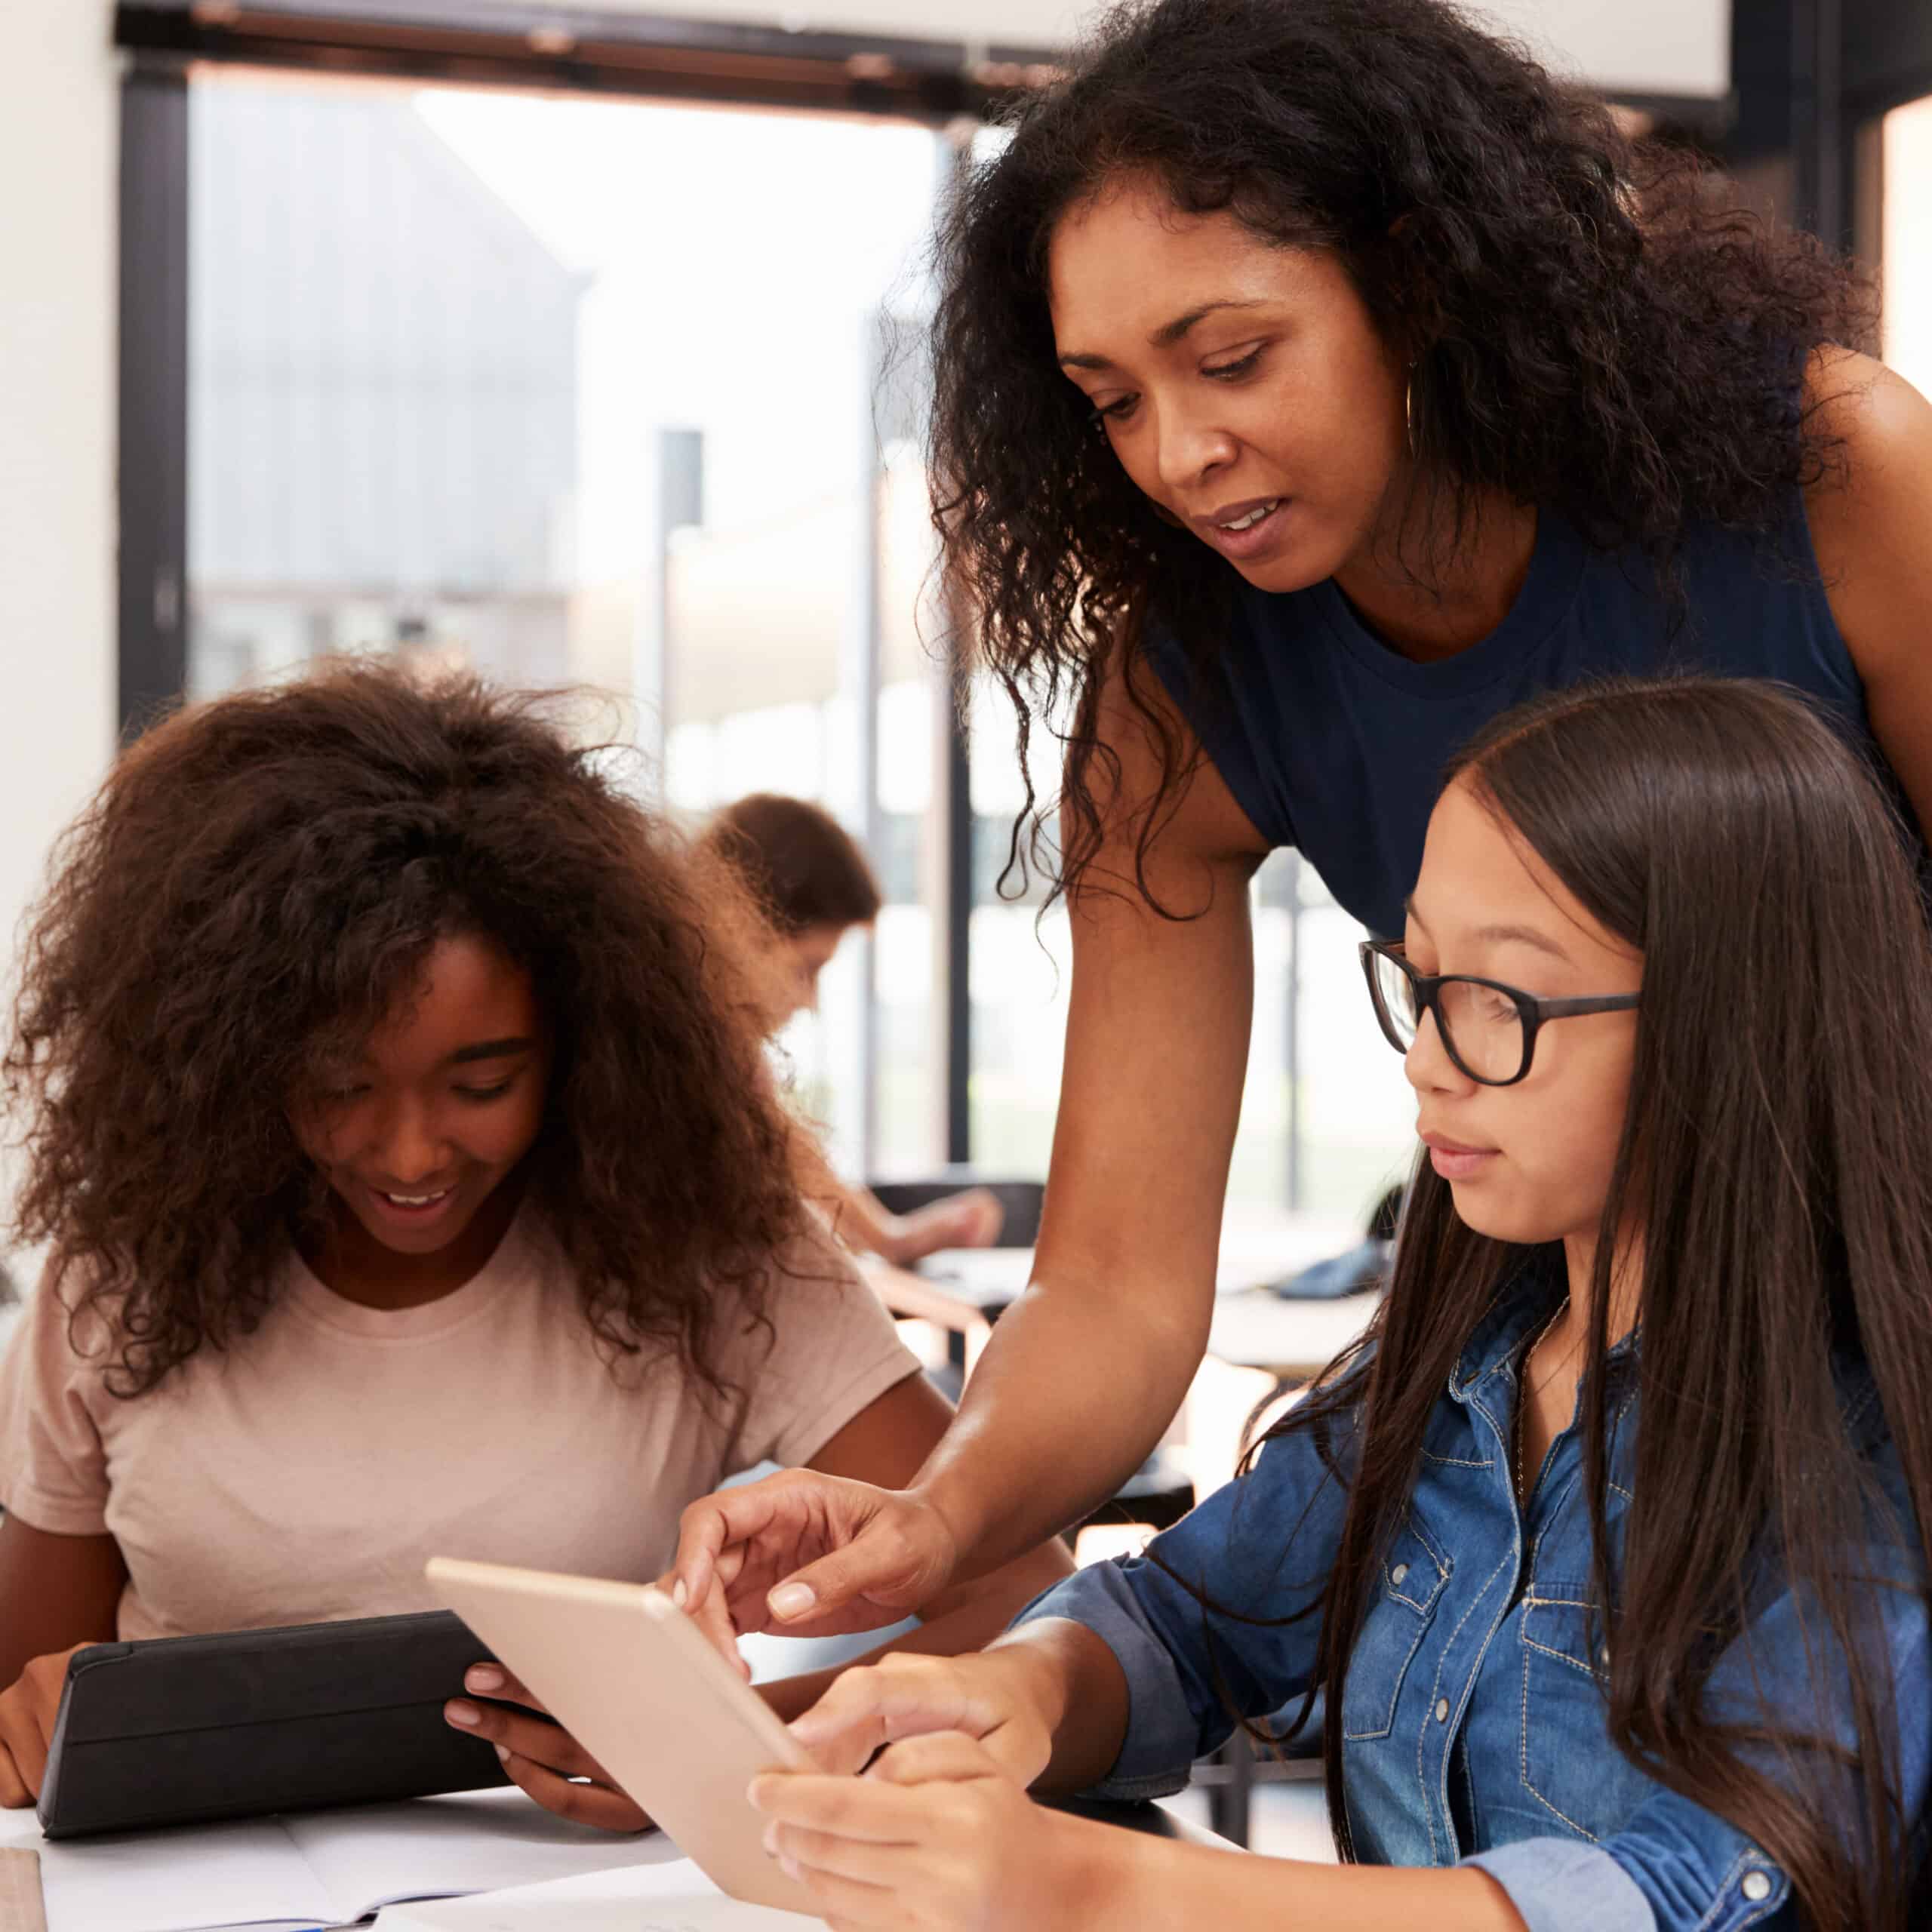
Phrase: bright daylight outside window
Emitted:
{"points": [[469, 384], [1908, 242]]}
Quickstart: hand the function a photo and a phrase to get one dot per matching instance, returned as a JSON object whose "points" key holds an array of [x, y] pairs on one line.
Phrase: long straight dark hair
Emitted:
{"points": [[1778, 1154]]}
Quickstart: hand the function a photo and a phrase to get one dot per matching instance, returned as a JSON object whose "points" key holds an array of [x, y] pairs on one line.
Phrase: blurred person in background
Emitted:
{"points": [[807, 873]]}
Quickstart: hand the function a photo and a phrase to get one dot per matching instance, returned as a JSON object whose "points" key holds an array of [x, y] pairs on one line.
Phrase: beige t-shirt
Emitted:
{"points": [[309, 1472]]}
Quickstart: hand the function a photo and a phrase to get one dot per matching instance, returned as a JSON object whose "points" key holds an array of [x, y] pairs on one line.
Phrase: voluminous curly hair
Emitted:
{"points": [[259, 882], [1593, 328]]}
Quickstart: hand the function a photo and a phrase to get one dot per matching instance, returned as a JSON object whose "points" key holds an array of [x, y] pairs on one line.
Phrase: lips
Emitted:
{"points": [[417, 1203], [1239, 531], [1453, 1160], [1234, 519]]}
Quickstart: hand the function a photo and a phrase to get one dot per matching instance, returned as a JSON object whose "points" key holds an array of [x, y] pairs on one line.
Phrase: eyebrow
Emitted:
{"points": [[491, 1050], [1165, 337], [1501, 935]]}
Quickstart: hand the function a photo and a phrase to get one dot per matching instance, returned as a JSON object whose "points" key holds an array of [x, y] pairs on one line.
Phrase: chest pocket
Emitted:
{"points": [[1570, 1767], [1414, 1573]]}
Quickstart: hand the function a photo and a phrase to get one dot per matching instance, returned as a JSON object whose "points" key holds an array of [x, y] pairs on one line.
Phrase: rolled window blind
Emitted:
{"points": [[1665, 48]]}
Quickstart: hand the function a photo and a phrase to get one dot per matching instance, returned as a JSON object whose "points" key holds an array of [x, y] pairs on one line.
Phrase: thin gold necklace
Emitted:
{"points": [[1526, 1394]]}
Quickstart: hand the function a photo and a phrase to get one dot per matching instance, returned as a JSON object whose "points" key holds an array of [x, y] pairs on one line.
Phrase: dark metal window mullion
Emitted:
{"points": [[958, 779], [152, 475]]}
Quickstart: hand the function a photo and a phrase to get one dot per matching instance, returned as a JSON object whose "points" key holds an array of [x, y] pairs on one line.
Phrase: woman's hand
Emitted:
{"points": [[809, 1556], [999, 1698], [27, 1712], [540, 1755], [936, 1836]]}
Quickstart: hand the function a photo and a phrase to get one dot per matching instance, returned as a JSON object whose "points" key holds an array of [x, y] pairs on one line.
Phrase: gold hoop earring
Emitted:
{"points": [[1409, 414]]}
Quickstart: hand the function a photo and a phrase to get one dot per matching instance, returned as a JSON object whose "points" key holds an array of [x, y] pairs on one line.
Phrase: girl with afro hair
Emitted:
{"points": [[396, 1126]]}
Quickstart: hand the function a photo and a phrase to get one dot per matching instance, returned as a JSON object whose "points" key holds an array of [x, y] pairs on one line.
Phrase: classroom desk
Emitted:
{"points": [[20, 1891], [1252, 1327], [20, 1881]]}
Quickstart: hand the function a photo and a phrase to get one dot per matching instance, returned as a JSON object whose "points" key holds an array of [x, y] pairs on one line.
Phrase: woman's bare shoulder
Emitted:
{"points": [[1870, 508]]}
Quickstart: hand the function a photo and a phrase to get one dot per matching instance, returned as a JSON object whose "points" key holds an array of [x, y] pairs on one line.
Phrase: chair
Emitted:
{"points": [[1231, 1774]]}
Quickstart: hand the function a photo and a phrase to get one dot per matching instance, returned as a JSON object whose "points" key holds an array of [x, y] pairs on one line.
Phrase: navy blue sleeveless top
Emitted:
{"points": [[1333, 743]]}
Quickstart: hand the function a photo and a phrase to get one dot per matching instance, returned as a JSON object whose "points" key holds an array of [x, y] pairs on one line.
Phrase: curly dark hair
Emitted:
{"points": [[260, 879], [1593, 328]]}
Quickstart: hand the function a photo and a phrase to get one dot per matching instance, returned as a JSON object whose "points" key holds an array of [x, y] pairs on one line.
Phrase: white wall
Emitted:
{"points": [[1638, 46], [1680, 47], [58, 147]]}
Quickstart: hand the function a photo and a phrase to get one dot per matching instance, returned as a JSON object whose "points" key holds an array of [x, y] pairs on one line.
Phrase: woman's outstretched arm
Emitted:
{"points": [[1087, 1369]]}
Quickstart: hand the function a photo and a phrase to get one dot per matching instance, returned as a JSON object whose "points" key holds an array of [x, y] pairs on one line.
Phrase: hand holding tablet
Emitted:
{"points": [[637, 1685]]}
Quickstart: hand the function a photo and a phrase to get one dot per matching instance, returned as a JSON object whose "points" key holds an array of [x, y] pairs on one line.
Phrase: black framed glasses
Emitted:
{"points": [[1487, 1029]]}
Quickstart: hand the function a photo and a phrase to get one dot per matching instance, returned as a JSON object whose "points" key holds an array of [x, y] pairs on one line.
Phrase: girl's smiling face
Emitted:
{"points": [[1243, 385], [418, 1131], [1529, 1163]]}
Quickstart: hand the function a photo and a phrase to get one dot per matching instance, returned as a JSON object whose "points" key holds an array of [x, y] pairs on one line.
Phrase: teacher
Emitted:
{"points": [[1315, 379]]}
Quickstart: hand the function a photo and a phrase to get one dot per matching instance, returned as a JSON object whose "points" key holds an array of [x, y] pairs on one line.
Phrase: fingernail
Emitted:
{"points": [[679, 1595], [483, 1677], [750, 1793], [769, 1840], [459, 1712], [791, 1600], [790, 1866], [503, 1752]]}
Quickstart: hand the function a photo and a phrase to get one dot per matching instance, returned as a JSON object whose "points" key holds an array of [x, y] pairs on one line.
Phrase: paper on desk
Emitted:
{"points": [[164, 1882], [676, 1897], [321, 1867], [465, 1841]]}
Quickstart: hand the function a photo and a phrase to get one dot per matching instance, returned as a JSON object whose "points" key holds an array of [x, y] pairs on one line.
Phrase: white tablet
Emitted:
{"points": [[639, 1687]]}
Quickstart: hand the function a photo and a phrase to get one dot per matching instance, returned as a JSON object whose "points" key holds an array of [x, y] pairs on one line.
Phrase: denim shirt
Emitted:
{"points": [[1473, 1712]]}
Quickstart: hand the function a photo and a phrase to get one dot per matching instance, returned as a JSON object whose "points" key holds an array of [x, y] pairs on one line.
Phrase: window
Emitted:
{"points": [[470, 385], [454, 355], [1908, 242]]}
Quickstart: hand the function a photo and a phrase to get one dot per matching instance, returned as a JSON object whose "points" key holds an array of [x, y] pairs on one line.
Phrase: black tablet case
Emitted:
{"points": [[186, 1730]]}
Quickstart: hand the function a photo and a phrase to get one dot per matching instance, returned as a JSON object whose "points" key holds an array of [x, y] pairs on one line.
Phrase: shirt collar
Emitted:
{"points": [[1531, 1293], [1529, 1296]]}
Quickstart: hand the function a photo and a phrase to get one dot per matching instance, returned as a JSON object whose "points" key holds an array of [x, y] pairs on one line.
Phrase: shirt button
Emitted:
{"points": [[1756, 1887], [1399, 1575], [1442, 1717]]}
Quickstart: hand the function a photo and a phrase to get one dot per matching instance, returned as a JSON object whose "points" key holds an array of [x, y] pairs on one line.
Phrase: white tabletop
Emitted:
{"points": [[1293, 1339], [1254, 1327]]}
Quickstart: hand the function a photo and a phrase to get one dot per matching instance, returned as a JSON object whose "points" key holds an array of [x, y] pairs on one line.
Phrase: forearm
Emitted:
{"points": [[1035, 1449], [55, 1592], [1084, 1373], [855, 1215], [1123, 1881], [906, 1294], [1075, 1683], [862, 1220]]}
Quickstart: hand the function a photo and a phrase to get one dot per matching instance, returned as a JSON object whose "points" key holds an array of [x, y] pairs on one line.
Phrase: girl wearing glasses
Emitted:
{"points": [[1315, 382], [1606, 1547]]}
